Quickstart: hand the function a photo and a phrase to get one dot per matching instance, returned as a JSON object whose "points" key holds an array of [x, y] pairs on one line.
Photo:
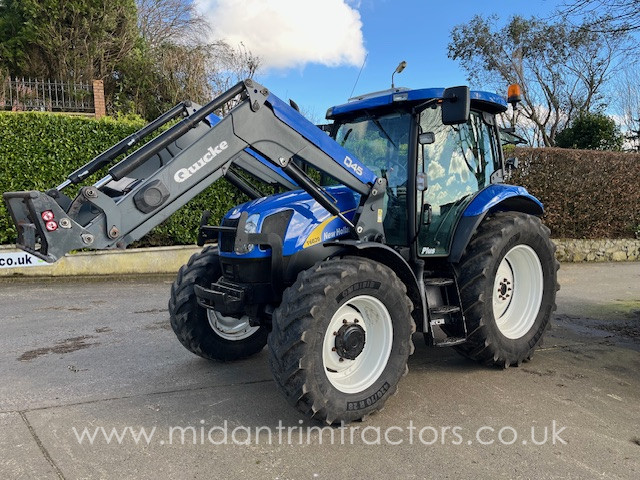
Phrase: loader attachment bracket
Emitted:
{"points": [[245, 241], [27, 210]]}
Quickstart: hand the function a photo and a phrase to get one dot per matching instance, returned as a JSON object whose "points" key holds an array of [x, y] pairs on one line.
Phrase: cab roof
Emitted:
{"points": [[485, 101]]}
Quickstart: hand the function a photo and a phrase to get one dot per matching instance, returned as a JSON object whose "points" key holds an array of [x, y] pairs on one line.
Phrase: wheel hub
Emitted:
{"points": [[350, 340], [504, 289]]}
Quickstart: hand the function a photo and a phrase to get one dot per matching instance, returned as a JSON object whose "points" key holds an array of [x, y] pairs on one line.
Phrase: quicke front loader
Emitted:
{"points": [[392, 218]]}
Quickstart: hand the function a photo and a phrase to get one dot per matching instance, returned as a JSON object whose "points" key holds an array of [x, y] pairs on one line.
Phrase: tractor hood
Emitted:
{"points": [[296, 217]]}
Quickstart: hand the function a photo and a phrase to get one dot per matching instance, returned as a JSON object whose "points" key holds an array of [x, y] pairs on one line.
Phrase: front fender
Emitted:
{"points": [[388, 256], [495, 198]]}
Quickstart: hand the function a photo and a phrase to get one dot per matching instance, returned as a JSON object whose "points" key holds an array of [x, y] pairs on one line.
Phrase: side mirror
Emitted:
{"points": [[455, 105]]}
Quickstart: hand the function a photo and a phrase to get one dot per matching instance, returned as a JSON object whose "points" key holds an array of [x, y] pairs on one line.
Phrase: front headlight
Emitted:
{"points": [[252, 223], [250, 227]]}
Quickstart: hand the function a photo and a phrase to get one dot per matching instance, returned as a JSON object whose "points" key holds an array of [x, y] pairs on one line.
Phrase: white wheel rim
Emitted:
{"points": [[353, 376], [230, 328], [517, 291]]}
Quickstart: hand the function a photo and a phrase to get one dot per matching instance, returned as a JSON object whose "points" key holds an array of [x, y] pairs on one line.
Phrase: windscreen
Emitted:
{"points": [[381, 143]]}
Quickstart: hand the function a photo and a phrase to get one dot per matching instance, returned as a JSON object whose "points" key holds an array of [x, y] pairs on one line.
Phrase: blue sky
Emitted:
{"points": [[417, 31]]}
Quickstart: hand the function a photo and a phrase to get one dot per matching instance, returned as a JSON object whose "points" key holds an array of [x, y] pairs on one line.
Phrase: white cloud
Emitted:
{"points": [[435, 170], [290, 33]]}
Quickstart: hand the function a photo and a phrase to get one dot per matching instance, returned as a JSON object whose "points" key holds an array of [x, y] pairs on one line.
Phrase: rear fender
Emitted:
{"points": [[496, 198]]}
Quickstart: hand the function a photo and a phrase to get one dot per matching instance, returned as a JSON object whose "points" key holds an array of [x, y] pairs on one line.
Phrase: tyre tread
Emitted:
{"points": [[295, 316], [472, 278]]}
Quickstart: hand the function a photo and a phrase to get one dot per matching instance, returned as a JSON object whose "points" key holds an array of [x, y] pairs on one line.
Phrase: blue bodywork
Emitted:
{"points": [[494, 102], [492, 195], [310, 224]]}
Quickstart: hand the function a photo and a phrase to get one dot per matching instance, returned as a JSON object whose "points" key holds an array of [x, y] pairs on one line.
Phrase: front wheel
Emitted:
{"points": [[341, 339], [508, 283], [206, 332]]}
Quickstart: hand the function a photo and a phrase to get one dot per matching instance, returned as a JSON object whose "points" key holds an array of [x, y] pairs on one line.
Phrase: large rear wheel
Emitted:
{"points": [[508, 283], [341, 338]]}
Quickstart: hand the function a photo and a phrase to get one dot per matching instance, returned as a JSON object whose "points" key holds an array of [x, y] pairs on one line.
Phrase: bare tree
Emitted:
{"points": [[606, 15], [183, 70], [229, 65], [561, 69], [174, 21], [626, 105], [178, 60]]}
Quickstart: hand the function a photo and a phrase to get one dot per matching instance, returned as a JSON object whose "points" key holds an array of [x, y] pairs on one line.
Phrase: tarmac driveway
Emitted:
{"points": [[84, 365]]}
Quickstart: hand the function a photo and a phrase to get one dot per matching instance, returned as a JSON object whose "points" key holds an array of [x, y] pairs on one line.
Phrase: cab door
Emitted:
{"points": [[457, 162]]}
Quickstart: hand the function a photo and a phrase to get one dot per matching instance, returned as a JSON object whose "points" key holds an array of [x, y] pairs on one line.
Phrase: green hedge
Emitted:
{"points": [[586, 194], [38, 150]]}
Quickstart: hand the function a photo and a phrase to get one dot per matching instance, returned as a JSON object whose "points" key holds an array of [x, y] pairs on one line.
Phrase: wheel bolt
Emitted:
{"points": [[356, 320], [344, 320], [333, 349], [335, 334], [341, 359]]}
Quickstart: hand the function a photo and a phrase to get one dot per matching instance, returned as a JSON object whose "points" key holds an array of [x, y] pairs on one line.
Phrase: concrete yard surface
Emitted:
{"points": [[94, 384]]}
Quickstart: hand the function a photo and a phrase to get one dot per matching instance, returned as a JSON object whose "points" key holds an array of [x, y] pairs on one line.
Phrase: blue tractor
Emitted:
{"points": [[393, 218]]}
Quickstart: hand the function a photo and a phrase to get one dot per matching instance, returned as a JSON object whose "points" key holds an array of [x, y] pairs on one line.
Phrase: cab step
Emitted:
{"points": [[444, 309], [447, 325], [438, 282]]}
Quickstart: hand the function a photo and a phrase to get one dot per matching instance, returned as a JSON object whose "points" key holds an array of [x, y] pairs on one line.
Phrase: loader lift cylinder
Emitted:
{"points": [[122, 146], [147, 151], [314, 190]]}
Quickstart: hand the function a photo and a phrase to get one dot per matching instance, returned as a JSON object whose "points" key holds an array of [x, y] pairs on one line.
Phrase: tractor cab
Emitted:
{"points": [[435, 162]]}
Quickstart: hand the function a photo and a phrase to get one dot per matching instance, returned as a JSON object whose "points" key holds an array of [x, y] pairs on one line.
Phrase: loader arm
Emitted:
{"points": [[261, 134]]}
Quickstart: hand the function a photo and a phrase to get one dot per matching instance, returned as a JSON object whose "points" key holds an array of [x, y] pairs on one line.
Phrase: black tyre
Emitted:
{"points": [[205, 332], [341, 339], [508, 283]]}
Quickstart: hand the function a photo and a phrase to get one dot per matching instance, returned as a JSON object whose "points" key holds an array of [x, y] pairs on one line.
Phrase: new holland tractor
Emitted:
{"points": [[393, 218]]}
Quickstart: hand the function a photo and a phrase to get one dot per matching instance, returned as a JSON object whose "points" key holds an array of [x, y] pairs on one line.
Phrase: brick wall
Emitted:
{"points": [[98, 99]]}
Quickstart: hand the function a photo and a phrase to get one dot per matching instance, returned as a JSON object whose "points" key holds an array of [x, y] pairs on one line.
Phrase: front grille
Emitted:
{"points": [[277, 223], [227, 239]]}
